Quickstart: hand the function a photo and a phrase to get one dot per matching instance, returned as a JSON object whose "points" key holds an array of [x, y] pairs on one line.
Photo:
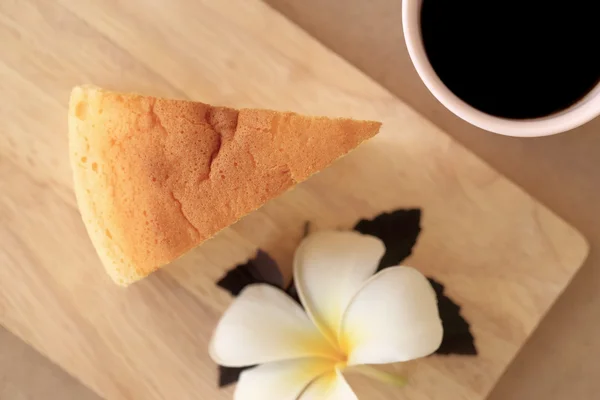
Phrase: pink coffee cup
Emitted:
{"points": [[578, 114]]}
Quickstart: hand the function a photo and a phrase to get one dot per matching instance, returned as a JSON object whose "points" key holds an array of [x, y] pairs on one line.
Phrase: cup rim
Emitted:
{"points": [[584, 110]]}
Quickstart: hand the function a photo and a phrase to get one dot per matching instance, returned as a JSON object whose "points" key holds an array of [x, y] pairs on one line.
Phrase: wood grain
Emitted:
{"points": [[503, 256]]}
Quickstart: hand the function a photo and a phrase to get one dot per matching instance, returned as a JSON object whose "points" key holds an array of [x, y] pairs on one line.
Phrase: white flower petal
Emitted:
{"points": [[329, 268], [393, 318], [283, 380], [331, 386], [263, 325]]}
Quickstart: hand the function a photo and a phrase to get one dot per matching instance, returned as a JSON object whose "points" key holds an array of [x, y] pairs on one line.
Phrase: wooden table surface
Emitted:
{"points": [[109, 37]]}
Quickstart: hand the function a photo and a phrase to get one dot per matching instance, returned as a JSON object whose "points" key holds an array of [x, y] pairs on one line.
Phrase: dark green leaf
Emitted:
{"points": [[397, 229], [230, 375], [457, 334], [260, 269], [293, 293]]}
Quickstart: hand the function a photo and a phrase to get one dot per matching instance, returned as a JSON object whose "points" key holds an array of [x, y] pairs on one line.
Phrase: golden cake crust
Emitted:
{"points": [[155, 177]]}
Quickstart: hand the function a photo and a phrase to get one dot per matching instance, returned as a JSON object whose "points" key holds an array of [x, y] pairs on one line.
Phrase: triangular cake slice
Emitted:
{"points": [[154, 178]]}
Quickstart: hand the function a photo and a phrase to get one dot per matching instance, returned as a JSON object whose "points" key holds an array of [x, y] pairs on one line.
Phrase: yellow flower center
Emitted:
{"points": [[340, 355], [341, 360], [341, 365]]}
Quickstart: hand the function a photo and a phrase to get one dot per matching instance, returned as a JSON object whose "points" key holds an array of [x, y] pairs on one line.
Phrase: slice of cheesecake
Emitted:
{"points": [[154, 178]]}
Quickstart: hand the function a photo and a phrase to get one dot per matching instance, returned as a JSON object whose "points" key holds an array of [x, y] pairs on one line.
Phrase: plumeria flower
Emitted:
{"points": [[353, 318]]}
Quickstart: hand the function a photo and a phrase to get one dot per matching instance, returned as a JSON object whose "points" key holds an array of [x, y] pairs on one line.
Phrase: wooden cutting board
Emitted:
{"points": [[504, 257]]}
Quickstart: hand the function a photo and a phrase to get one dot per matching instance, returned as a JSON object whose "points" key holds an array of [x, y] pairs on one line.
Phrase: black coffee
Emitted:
{"points": [[514, 58]]}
